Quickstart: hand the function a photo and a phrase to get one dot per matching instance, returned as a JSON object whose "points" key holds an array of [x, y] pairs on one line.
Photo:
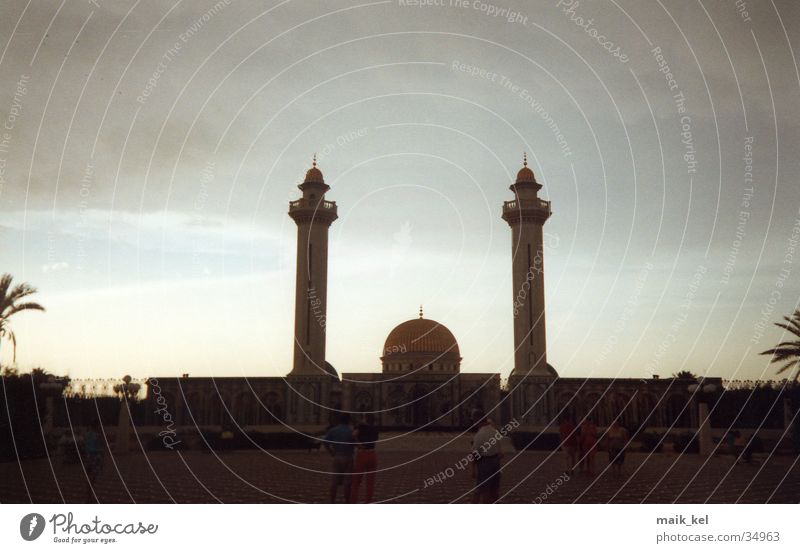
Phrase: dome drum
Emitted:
{"points": [[421, 363]]}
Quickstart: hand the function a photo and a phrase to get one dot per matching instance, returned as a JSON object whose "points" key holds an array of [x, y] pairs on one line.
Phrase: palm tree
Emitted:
{"points": [[787, 352], [10, 304]]}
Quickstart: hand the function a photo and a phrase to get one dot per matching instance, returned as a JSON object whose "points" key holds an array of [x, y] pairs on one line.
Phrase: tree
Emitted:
{"points": [[10, 305], [684, 375], [787, 352]]}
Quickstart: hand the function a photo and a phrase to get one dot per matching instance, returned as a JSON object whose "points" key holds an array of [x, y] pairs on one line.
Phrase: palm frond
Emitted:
{"points": [[5, 283], [787, 352], [783, 348], [17, 293], [793, 343], [787, 365], [794, 320], [23, 307], [10, 334], [9, 298], [21, 290], [792, 326]]}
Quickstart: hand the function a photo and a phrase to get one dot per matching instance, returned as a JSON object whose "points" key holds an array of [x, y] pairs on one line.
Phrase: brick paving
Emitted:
{"points": [[299, 476]]}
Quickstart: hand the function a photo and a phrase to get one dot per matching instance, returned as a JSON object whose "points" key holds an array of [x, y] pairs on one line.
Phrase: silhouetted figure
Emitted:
{"points": [[569, 443], [748, 449], [366, 463], [588, 443], [488, 453], [92, 458], [738, 444], [617, 439], [339, 443], [730, 441]]}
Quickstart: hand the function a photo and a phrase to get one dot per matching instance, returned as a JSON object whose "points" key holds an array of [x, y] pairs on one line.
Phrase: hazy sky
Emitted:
{"points": [[149, 151]]}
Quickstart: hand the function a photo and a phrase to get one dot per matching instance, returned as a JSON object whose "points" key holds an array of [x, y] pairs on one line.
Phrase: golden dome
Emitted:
{"points": [[420, 336], [314, 174], [525, 174]]}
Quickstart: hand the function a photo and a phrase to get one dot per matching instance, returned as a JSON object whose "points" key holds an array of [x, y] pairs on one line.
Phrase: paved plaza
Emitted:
{"points": [[253, 476]]}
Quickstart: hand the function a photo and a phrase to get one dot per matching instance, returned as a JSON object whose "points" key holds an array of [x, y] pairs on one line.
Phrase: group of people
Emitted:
{"points": [[343, 441], [580, 445], [352, 449]]}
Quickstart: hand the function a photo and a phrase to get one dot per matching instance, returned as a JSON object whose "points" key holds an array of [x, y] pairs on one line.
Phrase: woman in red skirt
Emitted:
{"points": [[588, 444]]}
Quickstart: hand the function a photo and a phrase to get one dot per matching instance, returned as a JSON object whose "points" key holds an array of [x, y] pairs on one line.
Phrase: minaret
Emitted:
{"points": [[526, 215], [313, 215]]}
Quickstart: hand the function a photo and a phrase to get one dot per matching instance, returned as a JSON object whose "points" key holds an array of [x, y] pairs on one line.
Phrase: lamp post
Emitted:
{"points": [[704, 393], [127, 390]]}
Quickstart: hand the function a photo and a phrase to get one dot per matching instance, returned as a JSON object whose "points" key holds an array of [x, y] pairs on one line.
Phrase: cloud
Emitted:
{"points": [[54, 267], [164, 230]]}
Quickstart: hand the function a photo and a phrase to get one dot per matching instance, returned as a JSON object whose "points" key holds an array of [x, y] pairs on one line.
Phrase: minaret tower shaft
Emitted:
{"points": [[526, 215], [313, 215]]}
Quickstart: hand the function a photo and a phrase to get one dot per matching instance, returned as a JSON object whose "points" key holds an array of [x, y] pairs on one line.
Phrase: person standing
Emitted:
{"points": [[730, 442], [738, 444], [366, 463], [617, 439], [339, 443], [488, 453], [748, 449], [588, 443], [569, 442], [92, 458]]}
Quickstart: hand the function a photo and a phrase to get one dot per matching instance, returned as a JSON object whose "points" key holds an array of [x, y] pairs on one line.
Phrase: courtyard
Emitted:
{"points": [[410, 471]]}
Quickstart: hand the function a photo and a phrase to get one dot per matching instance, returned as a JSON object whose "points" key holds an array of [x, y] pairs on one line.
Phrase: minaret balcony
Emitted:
{"points": [[313, 204], [526, 210], [304, 210]]}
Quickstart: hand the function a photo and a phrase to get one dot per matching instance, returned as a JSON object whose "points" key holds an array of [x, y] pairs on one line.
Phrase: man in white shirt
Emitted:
{"points": [[487, 451]]}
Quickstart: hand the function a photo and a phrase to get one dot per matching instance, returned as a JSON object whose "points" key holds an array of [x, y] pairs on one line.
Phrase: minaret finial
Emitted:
{"points": [[314, 160], [420, 311], [524, 159]]}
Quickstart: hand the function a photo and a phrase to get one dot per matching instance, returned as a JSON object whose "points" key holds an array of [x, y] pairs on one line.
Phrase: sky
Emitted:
{"points": [[149, 149]]}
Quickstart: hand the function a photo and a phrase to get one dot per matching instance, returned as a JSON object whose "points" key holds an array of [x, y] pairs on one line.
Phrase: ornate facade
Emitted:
{"points": [[421, 384]]}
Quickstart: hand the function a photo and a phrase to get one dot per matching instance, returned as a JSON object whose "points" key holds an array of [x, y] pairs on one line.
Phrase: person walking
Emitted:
{"points": [[588, 444], [617, 439], [569, 442], [339, 443], [92, 458], [366, 463], [488, 452]]}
